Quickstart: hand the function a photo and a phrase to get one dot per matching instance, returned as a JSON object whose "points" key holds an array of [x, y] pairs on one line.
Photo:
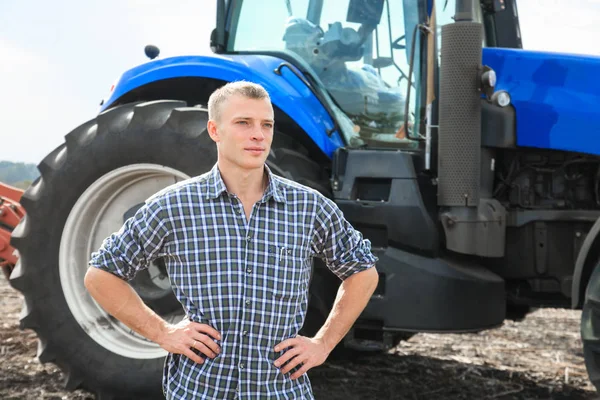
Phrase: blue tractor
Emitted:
{"points": [[472, 166]]}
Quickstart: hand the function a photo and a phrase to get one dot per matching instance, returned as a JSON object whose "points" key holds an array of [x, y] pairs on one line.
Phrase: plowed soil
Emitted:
{"points": [[537, 358]]}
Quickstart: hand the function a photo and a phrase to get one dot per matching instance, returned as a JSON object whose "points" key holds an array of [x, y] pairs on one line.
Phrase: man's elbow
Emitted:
{"points": [[373, 277], [94, 279], [88, 280], [368, 279]]}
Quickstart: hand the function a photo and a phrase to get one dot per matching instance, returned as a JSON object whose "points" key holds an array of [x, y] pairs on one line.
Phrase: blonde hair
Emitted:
{"points": [[242, 88]]}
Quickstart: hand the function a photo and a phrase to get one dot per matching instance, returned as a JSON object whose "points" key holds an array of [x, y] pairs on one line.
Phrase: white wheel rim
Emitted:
{"points": [[96, 214]]}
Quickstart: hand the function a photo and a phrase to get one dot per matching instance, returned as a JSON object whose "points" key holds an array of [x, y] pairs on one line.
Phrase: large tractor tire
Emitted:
{"points": [[89, 185], [590, 328]]}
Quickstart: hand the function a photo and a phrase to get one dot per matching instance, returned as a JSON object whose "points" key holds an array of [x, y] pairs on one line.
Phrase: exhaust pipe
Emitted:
{"points": [[459, 142], [472, 225]]}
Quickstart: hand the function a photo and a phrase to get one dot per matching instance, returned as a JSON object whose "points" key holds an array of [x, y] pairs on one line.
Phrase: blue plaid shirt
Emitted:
{"points": [[248, 279]]}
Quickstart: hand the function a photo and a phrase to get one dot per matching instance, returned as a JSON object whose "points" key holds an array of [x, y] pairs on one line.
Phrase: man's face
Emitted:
{"points": [[244, 131]]}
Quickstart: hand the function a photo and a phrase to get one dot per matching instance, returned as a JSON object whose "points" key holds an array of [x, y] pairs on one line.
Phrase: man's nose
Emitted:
{"points": [[257, 133]]}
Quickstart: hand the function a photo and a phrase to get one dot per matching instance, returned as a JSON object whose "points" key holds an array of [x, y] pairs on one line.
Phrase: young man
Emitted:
{"points": [[238, 243]]}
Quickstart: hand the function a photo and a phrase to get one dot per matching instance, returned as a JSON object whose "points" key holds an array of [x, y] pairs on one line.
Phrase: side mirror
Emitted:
{"points": [[365, 12]]}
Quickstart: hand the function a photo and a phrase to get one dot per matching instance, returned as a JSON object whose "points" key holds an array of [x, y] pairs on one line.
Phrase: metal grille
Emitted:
{"points": [[460, 115]]}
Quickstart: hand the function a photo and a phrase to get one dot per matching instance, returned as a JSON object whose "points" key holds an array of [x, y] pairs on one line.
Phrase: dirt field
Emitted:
{"points": [[539, 358]]}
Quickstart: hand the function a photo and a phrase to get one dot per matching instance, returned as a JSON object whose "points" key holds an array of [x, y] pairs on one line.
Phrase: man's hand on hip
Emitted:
{"points": [[310, 352], [353, 295], [188, 335]]}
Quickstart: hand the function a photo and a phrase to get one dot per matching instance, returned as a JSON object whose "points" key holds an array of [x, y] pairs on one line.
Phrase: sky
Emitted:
{"points": [[59, 58]]}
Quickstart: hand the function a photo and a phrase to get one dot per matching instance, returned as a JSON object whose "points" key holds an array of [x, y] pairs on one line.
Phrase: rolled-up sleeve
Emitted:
{"points": [[139, 241], [342, 247]]}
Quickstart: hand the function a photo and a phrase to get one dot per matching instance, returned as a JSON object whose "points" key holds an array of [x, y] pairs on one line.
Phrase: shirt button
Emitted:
{"points": [[247, 302], [244, 333], [249, 269], [249, 237], [242, 365]]}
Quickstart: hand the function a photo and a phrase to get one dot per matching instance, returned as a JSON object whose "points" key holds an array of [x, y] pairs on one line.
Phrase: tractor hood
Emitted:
{"points": [[556, 97]]}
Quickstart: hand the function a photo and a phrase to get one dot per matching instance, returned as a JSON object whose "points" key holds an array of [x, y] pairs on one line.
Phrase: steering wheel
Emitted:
{"points": [[396, 43]]}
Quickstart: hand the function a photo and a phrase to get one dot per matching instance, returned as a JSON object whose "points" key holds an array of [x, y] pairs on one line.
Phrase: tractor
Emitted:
{"points": [[472, 166]]}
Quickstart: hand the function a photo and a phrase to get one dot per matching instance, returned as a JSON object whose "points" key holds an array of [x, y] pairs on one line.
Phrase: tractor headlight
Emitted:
{"points": [[501, 98], [488, 78]]}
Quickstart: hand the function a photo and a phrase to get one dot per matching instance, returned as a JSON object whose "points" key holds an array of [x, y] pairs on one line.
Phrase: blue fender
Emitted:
{"points": [[287, 91]]}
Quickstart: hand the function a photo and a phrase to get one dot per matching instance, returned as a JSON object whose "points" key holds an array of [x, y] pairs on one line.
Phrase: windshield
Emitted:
{"points": [[358, 50]]}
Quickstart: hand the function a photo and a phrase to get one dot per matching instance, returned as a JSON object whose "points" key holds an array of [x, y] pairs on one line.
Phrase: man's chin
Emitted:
{"points": [[252, 163]]}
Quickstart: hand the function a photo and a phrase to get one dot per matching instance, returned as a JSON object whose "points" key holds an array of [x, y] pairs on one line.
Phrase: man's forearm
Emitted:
{"points": [[121, 301], [352, 297]]}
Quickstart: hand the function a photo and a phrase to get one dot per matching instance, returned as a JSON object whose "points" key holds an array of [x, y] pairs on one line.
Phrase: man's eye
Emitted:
{"points": [[268, 125], [243, 122]]}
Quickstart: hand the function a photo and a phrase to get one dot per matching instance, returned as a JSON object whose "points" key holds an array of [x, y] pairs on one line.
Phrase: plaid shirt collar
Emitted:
{"points": [[216, 186]]}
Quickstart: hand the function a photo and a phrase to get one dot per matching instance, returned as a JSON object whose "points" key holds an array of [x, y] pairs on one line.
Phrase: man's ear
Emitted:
{"points": [[211, 126]]}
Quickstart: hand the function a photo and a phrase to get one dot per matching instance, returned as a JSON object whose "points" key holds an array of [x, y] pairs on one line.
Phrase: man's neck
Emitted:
{"points": [[245, 184]]}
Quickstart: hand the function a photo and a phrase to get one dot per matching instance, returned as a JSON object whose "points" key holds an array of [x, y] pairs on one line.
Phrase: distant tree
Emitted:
{"points": [[14, 172]]}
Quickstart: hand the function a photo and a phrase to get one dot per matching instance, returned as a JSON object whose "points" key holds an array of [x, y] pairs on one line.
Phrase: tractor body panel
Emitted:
{"points": [[556, 97], [382, 195], [425, 294]]}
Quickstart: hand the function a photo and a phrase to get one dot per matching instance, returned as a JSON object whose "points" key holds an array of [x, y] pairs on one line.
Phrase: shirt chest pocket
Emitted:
{"points": [[289, 271]]}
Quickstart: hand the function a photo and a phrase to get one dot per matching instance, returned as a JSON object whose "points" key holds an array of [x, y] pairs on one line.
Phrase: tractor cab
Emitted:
{"points": [[357, 51]]}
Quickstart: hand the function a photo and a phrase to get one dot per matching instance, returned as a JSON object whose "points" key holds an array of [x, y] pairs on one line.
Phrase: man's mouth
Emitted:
{"points": [[255, 150]]}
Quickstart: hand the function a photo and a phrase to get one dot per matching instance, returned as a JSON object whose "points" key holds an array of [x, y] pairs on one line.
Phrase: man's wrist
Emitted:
{"points": [[326, 342], [160, 331]]}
